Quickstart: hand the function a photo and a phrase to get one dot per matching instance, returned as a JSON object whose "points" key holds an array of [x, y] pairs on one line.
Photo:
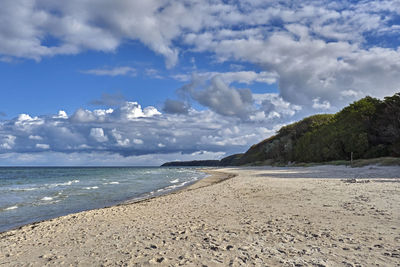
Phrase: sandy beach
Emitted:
{"points": [[319, 216]]}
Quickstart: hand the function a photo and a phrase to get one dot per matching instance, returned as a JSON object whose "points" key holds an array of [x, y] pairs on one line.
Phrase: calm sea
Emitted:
{"points": [[31, 194]]}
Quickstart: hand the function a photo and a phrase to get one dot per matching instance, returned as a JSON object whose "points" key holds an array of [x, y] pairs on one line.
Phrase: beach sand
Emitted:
{"points": [[262, 216]]}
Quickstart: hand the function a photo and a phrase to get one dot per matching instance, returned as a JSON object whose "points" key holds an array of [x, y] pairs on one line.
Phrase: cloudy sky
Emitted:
{"points": [[129, 82]]}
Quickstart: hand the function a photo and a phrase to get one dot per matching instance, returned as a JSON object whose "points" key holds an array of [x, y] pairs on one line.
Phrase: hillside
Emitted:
{"points": [[368, 128]]}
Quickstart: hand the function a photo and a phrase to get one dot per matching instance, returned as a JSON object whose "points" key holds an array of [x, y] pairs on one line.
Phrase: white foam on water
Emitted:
{"points": [[64, 184], [11, 208], [47, 198], [31, 189], [174, 181], [112, 183], [91, 187]]}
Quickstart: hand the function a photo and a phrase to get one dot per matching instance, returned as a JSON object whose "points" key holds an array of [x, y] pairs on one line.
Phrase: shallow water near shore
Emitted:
{"points": [[31, 194]]}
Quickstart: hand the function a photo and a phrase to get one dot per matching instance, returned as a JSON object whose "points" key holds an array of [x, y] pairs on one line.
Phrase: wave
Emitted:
{"points": [[47, 198], [171, 187], [174, 181], [112, 183], [64, 184], [11, 208], [91, 187]]}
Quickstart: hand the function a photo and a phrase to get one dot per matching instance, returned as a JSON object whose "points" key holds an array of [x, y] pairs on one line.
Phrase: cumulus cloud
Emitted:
{"points": [[132, 110], [310, 48], [82, 115], [128, 131], [61, 115], [98, 134], [224, 100], [217, 93], [121, 141], [82, 25], [7, 141], [127, 111], [219, 97], [274, 107], [42, 146], [309, 68]]}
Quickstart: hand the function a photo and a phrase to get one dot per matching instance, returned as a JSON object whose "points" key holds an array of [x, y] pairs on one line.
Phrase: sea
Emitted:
{"points": [[32, 194]]}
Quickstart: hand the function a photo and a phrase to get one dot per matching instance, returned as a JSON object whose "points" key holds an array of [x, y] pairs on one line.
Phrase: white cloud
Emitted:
{"points": [[26, 122], [132, 111], [25, 117], [83, 115], [349, 93], [118, 71], [35, 137], [275, 106], [150, 112], [216, 93], [61, 115], [321, 105], [134, 137], [138, 141], [127, 111], [7, 141], [317, 49], [98, 134], [43, 146], [123, 142], [219, 97], [246, 77]]}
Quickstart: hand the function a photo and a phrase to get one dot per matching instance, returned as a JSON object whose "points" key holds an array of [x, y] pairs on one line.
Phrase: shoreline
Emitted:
{"points": [[214, 177], [254, 219]]}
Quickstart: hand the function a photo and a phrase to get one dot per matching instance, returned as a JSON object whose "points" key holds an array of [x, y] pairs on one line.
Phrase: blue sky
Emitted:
{"points": [[139, 83]]}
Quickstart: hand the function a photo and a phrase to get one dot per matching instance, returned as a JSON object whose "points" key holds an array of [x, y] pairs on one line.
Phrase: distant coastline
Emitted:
{"points": [[383, 161]]}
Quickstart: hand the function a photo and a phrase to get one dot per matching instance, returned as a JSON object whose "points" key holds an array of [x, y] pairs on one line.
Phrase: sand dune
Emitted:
{"points": [[262, 216]]}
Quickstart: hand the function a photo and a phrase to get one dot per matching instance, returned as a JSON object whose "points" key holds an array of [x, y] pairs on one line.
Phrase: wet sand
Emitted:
{"points": [[319, 216]]}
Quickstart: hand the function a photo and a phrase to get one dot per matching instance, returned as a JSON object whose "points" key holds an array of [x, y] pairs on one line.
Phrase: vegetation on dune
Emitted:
{"points": [[282, 147], [367, 129]]}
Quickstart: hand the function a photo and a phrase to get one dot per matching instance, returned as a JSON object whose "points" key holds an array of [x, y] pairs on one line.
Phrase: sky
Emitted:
{"points": [[97, 82]]}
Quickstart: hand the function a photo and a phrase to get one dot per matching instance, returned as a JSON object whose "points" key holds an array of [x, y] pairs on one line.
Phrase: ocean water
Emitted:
{"points": [[31, 194]]}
